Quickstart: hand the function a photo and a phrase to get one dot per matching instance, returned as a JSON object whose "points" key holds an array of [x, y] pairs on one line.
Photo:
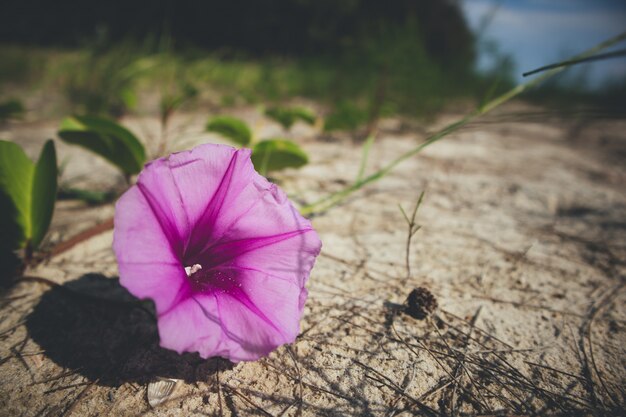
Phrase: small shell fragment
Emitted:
{"points": [[160, 390]]}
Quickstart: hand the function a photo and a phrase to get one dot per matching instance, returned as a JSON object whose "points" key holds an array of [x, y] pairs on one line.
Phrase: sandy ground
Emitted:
{"points": [[523, 246]]}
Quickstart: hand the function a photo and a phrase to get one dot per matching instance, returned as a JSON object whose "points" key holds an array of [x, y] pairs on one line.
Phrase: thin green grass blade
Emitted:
{"points": [[364, 158], [404, 214], [569, 63], [417, 206]]}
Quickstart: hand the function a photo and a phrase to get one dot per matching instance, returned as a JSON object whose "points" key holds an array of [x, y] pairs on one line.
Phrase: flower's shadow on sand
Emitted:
{"points": [[93, 326]]}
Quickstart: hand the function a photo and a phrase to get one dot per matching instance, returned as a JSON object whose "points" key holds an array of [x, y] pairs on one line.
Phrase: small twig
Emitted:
{"points": [[408, 380], [595, 309], [412, 229], [481, 331], [232, 390], [462, 366], [81, 237], [63, 388], [10, 329], [431, 352], [295, 364], [17, 353], [461, 362], [55, 378], [529, 306], [219, 388], [549, 368], [311, 386], [393, 386], [69, 409]]}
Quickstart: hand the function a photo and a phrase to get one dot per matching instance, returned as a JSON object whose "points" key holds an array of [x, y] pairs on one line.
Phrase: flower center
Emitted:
{"points": [[202, 280], [189, 270]]}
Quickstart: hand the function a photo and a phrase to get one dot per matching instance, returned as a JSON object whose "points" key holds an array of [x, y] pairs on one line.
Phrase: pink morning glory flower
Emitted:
{"points": [[220, 250]]}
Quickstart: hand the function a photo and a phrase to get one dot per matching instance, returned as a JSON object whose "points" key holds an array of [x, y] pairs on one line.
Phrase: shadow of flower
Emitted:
{"points": [[93, 326]]}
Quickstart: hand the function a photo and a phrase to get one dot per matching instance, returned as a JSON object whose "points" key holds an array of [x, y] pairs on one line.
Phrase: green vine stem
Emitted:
{"points": [[335, 198]]}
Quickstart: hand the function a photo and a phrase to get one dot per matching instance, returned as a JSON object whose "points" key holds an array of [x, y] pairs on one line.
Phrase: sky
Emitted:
{"points": [[540, 32]]}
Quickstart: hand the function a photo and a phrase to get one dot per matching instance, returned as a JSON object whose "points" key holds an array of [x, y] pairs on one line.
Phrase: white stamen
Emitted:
{"points": [[189, 270]]}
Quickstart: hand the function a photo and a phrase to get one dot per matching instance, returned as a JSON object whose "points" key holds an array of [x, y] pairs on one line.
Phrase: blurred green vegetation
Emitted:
{"points": [[11, 109], [379, 78], [269, 154], [23, 65], [358, 59], [287, 116], [398, 79], [393, 64]]}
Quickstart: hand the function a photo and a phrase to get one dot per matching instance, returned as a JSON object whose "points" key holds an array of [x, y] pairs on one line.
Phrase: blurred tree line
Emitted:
{"points": [[287, 27], [366, 58]]}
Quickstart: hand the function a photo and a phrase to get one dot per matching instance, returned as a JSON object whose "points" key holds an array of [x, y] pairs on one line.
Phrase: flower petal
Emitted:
{"points": [[256, 326], [269, 221], [147, 264], [231, 172], [193, 326], [291, 258], [272, 215], [164, 283], [159, 189], [276, 297], [138, 236]]}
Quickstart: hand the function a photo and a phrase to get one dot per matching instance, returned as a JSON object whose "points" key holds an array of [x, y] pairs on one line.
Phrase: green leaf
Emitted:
{"points": [[287, 116], [346, 116], [306, 115], [231, 128], [106, 138], [129, 98], [44, 190], [91, 197], [16, 174], [11, 109], [276, 154], [27, 195]]}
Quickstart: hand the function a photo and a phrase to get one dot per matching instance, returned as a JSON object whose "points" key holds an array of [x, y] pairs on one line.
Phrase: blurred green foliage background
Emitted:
{"points": [[360, 59]]}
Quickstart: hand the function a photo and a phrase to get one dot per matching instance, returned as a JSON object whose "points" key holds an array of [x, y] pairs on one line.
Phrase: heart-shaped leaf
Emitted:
{"points": [[276, 154], [106, 138], [287, 116], [231, 128]]}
